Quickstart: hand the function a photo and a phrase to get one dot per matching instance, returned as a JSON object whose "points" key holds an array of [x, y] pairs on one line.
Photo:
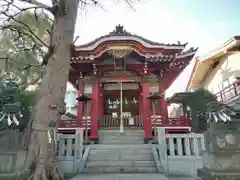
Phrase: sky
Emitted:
{"points": [[202, 23]]}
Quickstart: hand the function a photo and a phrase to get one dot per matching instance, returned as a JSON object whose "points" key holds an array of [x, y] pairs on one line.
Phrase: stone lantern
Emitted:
{"points": [[86, 105], [153, 97], [221, 159]]}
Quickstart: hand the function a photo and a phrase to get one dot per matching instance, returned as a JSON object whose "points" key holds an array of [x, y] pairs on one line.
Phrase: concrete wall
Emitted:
{"points": [[12, 161]]}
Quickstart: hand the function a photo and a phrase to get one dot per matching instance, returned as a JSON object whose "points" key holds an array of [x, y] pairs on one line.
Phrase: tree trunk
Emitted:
{"points": [[41, 149]]}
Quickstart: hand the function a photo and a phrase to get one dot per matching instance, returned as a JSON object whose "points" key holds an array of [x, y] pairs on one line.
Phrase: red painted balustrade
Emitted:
{"points": [[176, 124], [73, 123]]}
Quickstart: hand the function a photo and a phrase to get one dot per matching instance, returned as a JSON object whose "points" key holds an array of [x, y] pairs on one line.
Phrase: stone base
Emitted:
{"points": [[206, 174], [146, 141]]}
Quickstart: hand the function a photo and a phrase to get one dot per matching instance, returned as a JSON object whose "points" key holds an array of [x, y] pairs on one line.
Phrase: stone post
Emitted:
{"points": [[162, 148], [221, 160], [78, 148]]}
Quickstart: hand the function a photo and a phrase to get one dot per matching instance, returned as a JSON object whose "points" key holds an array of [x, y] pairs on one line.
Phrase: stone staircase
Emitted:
{"points": [[115, 137], [120, 153]]}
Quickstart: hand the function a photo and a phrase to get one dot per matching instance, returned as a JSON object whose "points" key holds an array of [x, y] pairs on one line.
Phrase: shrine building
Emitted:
{"points": [[121, 79]]}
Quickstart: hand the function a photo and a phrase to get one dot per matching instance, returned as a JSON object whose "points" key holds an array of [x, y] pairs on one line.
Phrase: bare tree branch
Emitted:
{"points": [[20, 10], [22, 63], [129, 2], [38, 4], [24, 26]]}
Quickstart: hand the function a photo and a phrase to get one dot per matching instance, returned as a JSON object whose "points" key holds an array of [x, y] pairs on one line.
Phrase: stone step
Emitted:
{"points": [[133, 138], [120, 142], [115, 156], [118, 147], [121, 137], [119, 154], [117, 133], [120, 164], [118, 130], [120, 170], [121, 151], [137, 139]]}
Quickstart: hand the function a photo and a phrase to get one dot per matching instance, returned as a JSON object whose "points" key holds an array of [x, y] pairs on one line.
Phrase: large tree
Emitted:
{"points": [[41, 151]]}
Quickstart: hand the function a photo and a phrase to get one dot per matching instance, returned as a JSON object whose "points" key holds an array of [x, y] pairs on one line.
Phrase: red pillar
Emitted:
{"points": [[94, 112], [80, 105], [100, 105], [140, 105], [146, 112], [163, 104]]}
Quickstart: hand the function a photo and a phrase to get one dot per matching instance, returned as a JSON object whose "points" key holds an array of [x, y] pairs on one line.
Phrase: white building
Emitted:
{"points": [[219, 72], [70, 99]]}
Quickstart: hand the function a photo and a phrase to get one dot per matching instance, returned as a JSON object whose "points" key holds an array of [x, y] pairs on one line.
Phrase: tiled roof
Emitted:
{"points": [[120, 31]]}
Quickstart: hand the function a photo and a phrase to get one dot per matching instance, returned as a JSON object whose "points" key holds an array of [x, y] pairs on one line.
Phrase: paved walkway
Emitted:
{"points": [[127, 177]]}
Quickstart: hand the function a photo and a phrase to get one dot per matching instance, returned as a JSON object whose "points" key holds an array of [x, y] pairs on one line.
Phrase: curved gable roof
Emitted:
{"points": [[120, 34]]}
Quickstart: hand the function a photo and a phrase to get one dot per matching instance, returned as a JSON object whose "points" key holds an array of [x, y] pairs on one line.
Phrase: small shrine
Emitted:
{"points": [[119, 71]]}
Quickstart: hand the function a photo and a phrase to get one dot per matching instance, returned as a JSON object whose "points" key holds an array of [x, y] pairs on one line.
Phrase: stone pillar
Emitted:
{"points": [[146, 114], [94, 111], [163, 104], [78, 148], [221, 160], [80, 104]]}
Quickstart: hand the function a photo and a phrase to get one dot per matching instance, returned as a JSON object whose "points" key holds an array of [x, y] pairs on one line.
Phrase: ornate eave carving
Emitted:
{"points": [[120, 74], [119, 53]]}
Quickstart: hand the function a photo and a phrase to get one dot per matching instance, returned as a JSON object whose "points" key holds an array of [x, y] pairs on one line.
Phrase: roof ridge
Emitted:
{"points": [[120, 31]]}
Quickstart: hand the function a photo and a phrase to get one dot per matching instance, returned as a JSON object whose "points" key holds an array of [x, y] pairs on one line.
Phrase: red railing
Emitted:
{"points": [[109, 122], [230, 92], [72, 123], [176, 124], [176, 121]]}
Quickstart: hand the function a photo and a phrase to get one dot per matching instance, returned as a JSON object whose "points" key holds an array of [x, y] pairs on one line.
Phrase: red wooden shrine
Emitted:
{"points": [[119, 71]]}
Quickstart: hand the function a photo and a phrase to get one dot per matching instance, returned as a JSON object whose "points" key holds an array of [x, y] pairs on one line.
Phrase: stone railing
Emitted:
{"points": [[12, 152], [180, 154], [11, 140], [185, 144], [69, 151]]}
